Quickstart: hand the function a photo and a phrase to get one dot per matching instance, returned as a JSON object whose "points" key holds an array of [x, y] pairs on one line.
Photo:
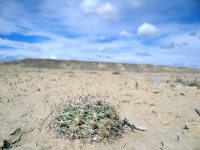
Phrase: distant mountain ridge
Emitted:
{"points": [[97, 66], [4, 58]]}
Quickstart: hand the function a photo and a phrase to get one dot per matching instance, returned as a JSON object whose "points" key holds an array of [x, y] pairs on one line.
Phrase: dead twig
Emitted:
{"points": [[48, 116], [177, 138], [198, 111], [132, 126]]}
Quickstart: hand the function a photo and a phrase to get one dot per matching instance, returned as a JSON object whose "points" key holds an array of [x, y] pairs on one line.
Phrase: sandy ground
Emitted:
{"points": [[165, 107]]}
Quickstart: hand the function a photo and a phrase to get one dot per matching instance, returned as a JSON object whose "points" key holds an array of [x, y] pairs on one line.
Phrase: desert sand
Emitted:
{"points": [[28, 95]]}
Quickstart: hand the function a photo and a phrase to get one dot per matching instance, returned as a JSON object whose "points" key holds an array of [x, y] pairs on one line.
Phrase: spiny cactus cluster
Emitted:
{"points": [[89, 119]]}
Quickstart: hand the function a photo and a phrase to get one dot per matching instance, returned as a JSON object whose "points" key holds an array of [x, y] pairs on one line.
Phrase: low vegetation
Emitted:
{"points": [[89, 119], [116, 72], [189, 81]]}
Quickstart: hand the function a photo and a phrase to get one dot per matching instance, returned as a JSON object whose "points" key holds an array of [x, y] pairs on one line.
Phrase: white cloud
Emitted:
{"points": [[34, 48], [147, 30], [125, 34], [101, 49], [107, 12], [13, 44], [9, 18], [53, 57], [7, 27], [102, 37], [89, 6], [105, 48], [134, 3]]}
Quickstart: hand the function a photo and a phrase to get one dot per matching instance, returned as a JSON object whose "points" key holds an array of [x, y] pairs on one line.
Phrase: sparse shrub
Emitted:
{"points": [[73, 67], [92, 72], [116, 72], [156, 80], [70, 72], [72, 75], [192, 81], [89, 119]]}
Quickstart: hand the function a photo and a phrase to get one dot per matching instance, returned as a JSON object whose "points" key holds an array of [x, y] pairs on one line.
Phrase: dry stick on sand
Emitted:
{"points": [[132, 126], [197, 110], [48, 116]]}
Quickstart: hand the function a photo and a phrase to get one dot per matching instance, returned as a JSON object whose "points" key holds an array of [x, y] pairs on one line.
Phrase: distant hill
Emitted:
{"points": [[94, 66]]}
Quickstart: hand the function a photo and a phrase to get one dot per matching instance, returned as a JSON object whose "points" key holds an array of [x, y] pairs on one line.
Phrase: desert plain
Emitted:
{"points": [[149, 96]]}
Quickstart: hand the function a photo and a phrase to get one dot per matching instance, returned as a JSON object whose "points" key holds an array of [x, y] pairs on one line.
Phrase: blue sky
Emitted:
{"points": [[130, 31]]}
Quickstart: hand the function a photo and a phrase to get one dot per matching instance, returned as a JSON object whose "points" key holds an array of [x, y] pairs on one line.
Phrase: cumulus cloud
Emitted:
{"points": [[89, 6], [105, 11], [125, 34], [53, 57], [147, 30]]}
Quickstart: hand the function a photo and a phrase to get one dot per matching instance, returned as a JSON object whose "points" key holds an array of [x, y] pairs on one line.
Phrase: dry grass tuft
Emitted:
{"points": [[189, 81]]}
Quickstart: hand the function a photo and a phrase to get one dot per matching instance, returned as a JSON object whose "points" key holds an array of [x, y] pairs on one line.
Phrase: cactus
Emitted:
{"points": [[89, 119]]}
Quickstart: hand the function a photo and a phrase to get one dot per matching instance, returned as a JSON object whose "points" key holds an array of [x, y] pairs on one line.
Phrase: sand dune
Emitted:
{"points": [[29, 92]]}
